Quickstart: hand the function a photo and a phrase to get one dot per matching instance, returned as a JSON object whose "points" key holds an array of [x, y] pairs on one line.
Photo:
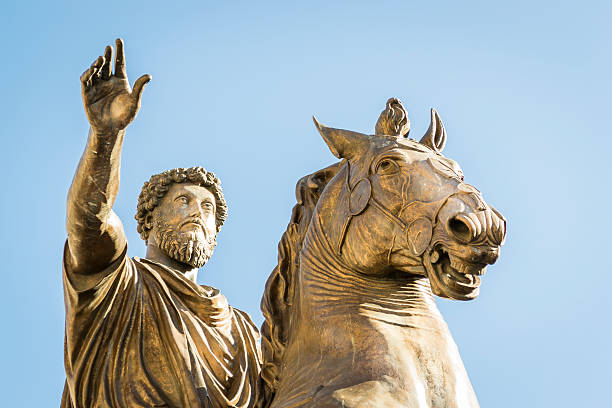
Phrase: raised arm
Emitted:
{"points": [[95, 233]]}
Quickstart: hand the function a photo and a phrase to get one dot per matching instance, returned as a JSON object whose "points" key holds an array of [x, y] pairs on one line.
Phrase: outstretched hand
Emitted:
{"points": [[109, 101]]}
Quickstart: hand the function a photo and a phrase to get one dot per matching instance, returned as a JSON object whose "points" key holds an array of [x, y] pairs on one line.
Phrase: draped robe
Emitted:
{"points": [[140, 334]]}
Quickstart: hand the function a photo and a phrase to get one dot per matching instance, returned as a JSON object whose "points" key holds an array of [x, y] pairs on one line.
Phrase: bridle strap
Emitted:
{"points": [[384, 210], [388, 214]]}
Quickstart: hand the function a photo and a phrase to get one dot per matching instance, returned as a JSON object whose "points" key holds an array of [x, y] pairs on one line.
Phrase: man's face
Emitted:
{"points": [[183, 224]]}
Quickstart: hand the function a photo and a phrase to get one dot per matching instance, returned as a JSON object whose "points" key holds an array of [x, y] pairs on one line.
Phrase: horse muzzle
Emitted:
{"points": [[468, 238]]}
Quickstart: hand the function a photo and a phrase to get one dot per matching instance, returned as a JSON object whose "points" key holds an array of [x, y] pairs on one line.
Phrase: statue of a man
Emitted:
{"points": [[141, 332]]}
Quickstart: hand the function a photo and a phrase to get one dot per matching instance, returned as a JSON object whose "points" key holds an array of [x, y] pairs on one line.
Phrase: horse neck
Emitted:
{"points": [[329, 287]]}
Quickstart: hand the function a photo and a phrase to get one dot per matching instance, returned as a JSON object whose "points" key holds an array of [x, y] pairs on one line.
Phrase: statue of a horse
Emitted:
{"points": [[350, 315]]}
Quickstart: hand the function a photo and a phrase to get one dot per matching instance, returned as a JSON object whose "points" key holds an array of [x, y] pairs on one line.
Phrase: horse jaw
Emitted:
{"points": [[449, 282]]}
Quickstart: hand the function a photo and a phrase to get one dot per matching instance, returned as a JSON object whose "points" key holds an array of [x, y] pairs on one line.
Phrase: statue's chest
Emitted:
{"points": [[178, 342], [359, 360]]}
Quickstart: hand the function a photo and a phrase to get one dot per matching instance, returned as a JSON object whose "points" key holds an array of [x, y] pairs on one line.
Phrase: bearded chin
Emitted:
{"points": [[186, 247]]}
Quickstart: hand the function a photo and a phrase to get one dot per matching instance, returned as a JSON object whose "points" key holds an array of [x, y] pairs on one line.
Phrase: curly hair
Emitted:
{"points": [[158, 185]]}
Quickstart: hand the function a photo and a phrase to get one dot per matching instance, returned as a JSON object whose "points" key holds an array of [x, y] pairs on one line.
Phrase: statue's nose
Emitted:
{"points": [[470, 227], [463, 229], [497, 232]]}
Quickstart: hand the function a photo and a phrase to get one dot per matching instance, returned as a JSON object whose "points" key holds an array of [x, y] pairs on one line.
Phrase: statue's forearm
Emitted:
{"points": [[95, 233], [96, 180]]}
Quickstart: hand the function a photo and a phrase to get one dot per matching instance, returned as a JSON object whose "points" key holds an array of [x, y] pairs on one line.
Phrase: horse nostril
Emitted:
{"points": [[460, 229]]}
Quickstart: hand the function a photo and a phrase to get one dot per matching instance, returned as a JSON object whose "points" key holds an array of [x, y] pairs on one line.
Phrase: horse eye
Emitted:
{"points": [[387, 166]]}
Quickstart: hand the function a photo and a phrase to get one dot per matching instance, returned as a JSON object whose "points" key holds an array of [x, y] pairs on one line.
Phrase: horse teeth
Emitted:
{"points": [[458, 266], [462, 268]]}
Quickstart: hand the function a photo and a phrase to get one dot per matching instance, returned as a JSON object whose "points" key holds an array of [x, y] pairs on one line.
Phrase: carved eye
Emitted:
{"points": [[182, 200], [208, 206], [387, 166]]}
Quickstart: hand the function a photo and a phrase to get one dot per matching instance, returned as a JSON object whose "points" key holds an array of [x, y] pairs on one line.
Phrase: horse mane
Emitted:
{"points": [[280, 290]]}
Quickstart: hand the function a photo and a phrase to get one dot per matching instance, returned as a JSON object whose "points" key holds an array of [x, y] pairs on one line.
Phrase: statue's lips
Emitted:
{"points": [[454, 277], [192, 223]]}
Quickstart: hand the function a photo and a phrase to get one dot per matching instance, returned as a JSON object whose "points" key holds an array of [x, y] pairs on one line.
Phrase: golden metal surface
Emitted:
{"points": [[141, 332], [350, 315]]}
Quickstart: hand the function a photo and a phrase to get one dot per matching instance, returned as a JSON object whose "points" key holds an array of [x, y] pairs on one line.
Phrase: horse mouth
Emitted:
{"points": [[453, 277]]}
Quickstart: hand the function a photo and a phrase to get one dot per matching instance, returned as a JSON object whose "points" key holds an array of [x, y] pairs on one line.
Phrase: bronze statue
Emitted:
{"points": [[141, 332], [350, 315]]}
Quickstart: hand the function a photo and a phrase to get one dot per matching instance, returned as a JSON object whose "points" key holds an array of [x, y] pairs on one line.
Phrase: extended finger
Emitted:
{"points": [[106, 69], [119, 59], [97, 63], [85, 76], [96, 68], [139, 86]]}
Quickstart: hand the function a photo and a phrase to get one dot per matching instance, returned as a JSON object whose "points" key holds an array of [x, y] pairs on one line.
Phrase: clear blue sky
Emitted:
{"points": [[523, 88]]}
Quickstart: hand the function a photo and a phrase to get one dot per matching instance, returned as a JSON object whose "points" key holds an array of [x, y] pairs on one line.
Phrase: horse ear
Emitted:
{"points": [[344, 144], [435, 137]]}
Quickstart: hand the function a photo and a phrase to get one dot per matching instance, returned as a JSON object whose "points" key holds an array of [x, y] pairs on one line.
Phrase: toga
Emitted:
{"points": [[140, 334]]}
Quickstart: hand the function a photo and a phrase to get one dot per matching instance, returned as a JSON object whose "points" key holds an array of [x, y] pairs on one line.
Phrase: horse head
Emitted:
{"points": [[399, 206]]}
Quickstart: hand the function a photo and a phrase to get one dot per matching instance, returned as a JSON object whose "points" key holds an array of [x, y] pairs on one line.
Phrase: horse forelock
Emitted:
{"points": [[439, 162]]}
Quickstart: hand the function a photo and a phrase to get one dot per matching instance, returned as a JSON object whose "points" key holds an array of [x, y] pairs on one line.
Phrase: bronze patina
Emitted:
{"points": [[141, 332], [350, 314]]}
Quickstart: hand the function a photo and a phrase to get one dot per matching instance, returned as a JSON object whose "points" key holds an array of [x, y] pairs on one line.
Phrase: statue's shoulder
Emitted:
{"points": [[244, 316], [246, 321], [139, 260]]}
